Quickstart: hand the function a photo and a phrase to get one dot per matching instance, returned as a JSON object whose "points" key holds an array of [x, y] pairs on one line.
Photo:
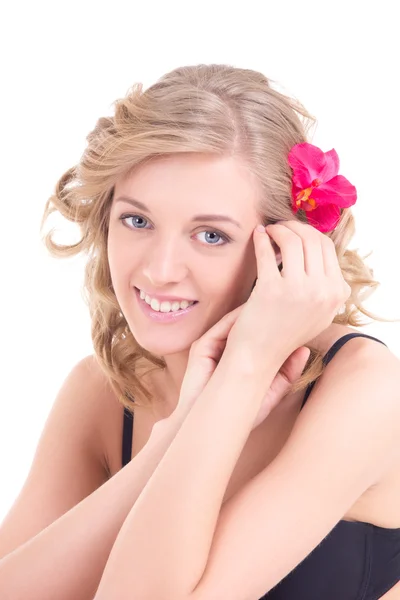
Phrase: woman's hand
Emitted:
{"points": [[205, 354], [287, 309], [284, 311]]}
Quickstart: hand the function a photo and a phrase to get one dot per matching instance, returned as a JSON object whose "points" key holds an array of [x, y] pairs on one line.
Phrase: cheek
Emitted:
{"points": [[113, 261], [228, 292], [120, 265]]}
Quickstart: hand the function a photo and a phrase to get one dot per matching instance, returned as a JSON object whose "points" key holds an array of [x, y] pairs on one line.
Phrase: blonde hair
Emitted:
{"points": [[216, 109]]}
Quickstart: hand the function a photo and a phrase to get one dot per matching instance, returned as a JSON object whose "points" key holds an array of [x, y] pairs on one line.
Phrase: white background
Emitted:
{"points": [[62, 66]]}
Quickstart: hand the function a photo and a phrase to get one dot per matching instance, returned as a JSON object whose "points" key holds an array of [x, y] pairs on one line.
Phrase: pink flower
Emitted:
{"points": [[316, 186]]}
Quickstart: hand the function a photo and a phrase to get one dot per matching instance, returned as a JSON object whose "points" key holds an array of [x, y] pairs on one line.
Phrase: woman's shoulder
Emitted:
{"points": [[109, 426], [359, 343], [108, 417]]}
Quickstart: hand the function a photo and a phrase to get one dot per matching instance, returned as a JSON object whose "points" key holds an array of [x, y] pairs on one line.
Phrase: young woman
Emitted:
{"points": [[263, 459]]}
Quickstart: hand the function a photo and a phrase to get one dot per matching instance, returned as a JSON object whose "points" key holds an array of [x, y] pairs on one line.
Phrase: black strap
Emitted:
{"points": [[331, 353], [127, 437]]}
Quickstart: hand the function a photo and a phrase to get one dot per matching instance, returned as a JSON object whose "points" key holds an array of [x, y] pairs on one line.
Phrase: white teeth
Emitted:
{"points": [[164, 306]]}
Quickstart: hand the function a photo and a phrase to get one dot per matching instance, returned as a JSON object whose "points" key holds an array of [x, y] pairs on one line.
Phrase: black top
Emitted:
{"points": [[355, 561]]}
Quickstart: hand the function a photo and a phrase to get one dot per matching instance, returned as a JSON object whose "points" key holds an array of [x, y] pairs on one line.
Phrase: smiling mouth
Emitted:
{"points": [[161, 300], [161, 316]]}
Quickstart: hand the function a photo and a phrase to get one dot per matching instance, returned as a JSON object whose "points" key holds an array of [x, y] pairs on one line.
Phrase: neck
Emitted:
{"points": [[168, 381]]}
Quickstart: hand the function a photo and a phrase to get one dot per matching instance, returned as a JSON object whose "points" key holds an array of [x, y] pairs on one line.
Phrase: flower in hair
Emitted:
{"points": [[316, 186]]}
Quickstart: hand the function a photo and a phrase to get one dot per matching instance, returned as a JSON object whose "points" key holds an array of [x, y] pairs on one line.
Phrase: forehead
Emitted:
{"points": [[193, 182]]}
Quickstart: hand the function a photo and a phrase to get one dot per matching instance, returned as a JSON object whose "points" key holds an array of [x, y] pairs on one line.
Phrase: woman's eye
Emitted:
{"points": [[211, 240], [213, 235], [137, 217]]}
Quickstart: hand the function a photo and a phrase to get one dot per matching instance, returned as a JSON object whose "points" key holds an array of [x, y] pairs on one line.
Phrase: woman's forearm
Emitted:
{"points": [[66, 560], [162, 549]]}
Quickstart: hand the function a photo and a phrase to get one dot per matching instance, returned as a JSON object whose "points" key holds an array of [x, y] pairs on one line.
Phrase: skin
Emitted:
{"points": [[166, 252], [172, 256]]}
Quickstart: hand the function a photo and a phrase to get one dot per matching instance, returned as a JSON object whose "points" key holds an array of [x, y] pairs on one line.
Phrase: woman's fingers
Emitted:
{"points": [[301, 248], [331, 263], [218, 332], [267, 269], [291, 248]]}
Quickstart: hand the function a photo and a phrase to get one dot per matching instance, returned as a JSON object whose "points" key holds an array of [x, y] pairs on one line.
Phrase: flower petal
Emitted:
{"points": [[324, 218], [331, 168], [308, 162], [337, 190]]}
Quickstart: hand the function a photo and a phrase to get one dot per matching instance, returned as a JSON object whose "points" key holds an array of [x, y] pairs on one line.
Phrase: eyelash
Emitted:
{"points": [[226, 238]]}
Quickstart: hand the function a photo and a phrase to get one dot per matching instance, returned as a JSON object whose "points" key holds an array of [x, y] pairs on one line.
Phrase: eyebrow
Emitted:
{"points": [[204, 217]]}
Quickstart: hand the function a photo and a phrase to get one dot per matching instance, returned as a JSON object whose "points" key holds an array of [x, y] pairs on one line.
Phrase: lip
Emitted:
{"points": [[159, 317], [162, 298]]}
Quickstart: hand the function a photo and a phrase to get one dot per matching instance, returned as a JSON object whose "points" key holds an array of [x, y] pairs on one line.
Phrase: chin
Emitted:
{"points": [[162, 346]]}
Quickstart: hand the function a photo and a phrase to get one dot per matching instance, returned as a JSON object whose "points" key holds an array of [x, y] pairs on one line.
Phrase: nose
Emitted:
{"points": [[165, 262]]}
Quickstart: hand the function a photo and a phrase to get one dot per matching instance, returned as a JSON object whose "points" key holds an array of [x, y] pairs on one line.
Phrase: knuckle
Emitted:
{"points": [[194, 346], [339, 292], [329, 243], [337, 300], [347, 290], [321, 297], [335, 293]]}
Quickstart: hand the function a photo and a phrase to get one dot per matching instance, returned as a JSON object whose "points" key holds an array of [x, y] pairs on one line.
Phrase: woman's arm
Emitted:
{"points": [[163, 546], [267, 528], [66, 560]]}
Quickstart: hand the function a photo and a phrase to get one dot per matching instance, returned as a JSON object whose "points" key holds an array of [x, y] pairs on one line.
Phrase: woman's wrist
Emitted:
{"points": [[238, 367], [167, 428], [243, 362]]}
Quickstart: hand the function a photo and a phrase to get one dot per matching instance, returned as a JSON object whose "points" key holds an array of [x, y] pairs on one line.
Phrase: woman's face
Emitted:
{"points": [[166, 248]]}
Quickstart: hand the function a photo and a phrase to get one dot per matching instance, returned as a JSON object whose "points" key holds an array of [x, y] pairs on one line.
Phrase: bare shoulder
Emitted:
{"points": [[367, 351], [69, 461], [362, 384], [107, 430], [359, 354], [357, 348], [363, 374], [362, 377]]}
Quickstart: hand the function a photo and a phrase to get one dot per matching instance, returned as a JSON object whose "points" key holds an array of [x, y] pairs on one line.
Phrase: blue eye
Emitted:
{"points": [[216, 234], [124, 217]]}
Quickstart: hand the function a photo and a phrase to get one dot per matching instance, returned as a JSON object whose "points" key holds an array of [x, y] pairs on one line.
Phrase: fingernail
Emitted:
{"points": [[260, 228]]}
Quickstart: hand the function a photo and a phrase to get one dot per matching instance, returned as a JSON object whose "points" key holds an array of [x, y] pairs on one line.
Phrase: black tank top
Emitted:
{"points": [[355, 561]]}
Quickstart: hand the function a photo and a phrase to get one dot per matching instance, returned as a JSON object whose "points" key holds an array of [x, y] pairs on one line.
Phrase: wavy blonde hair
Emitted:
{"points": [[216, 109]]}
